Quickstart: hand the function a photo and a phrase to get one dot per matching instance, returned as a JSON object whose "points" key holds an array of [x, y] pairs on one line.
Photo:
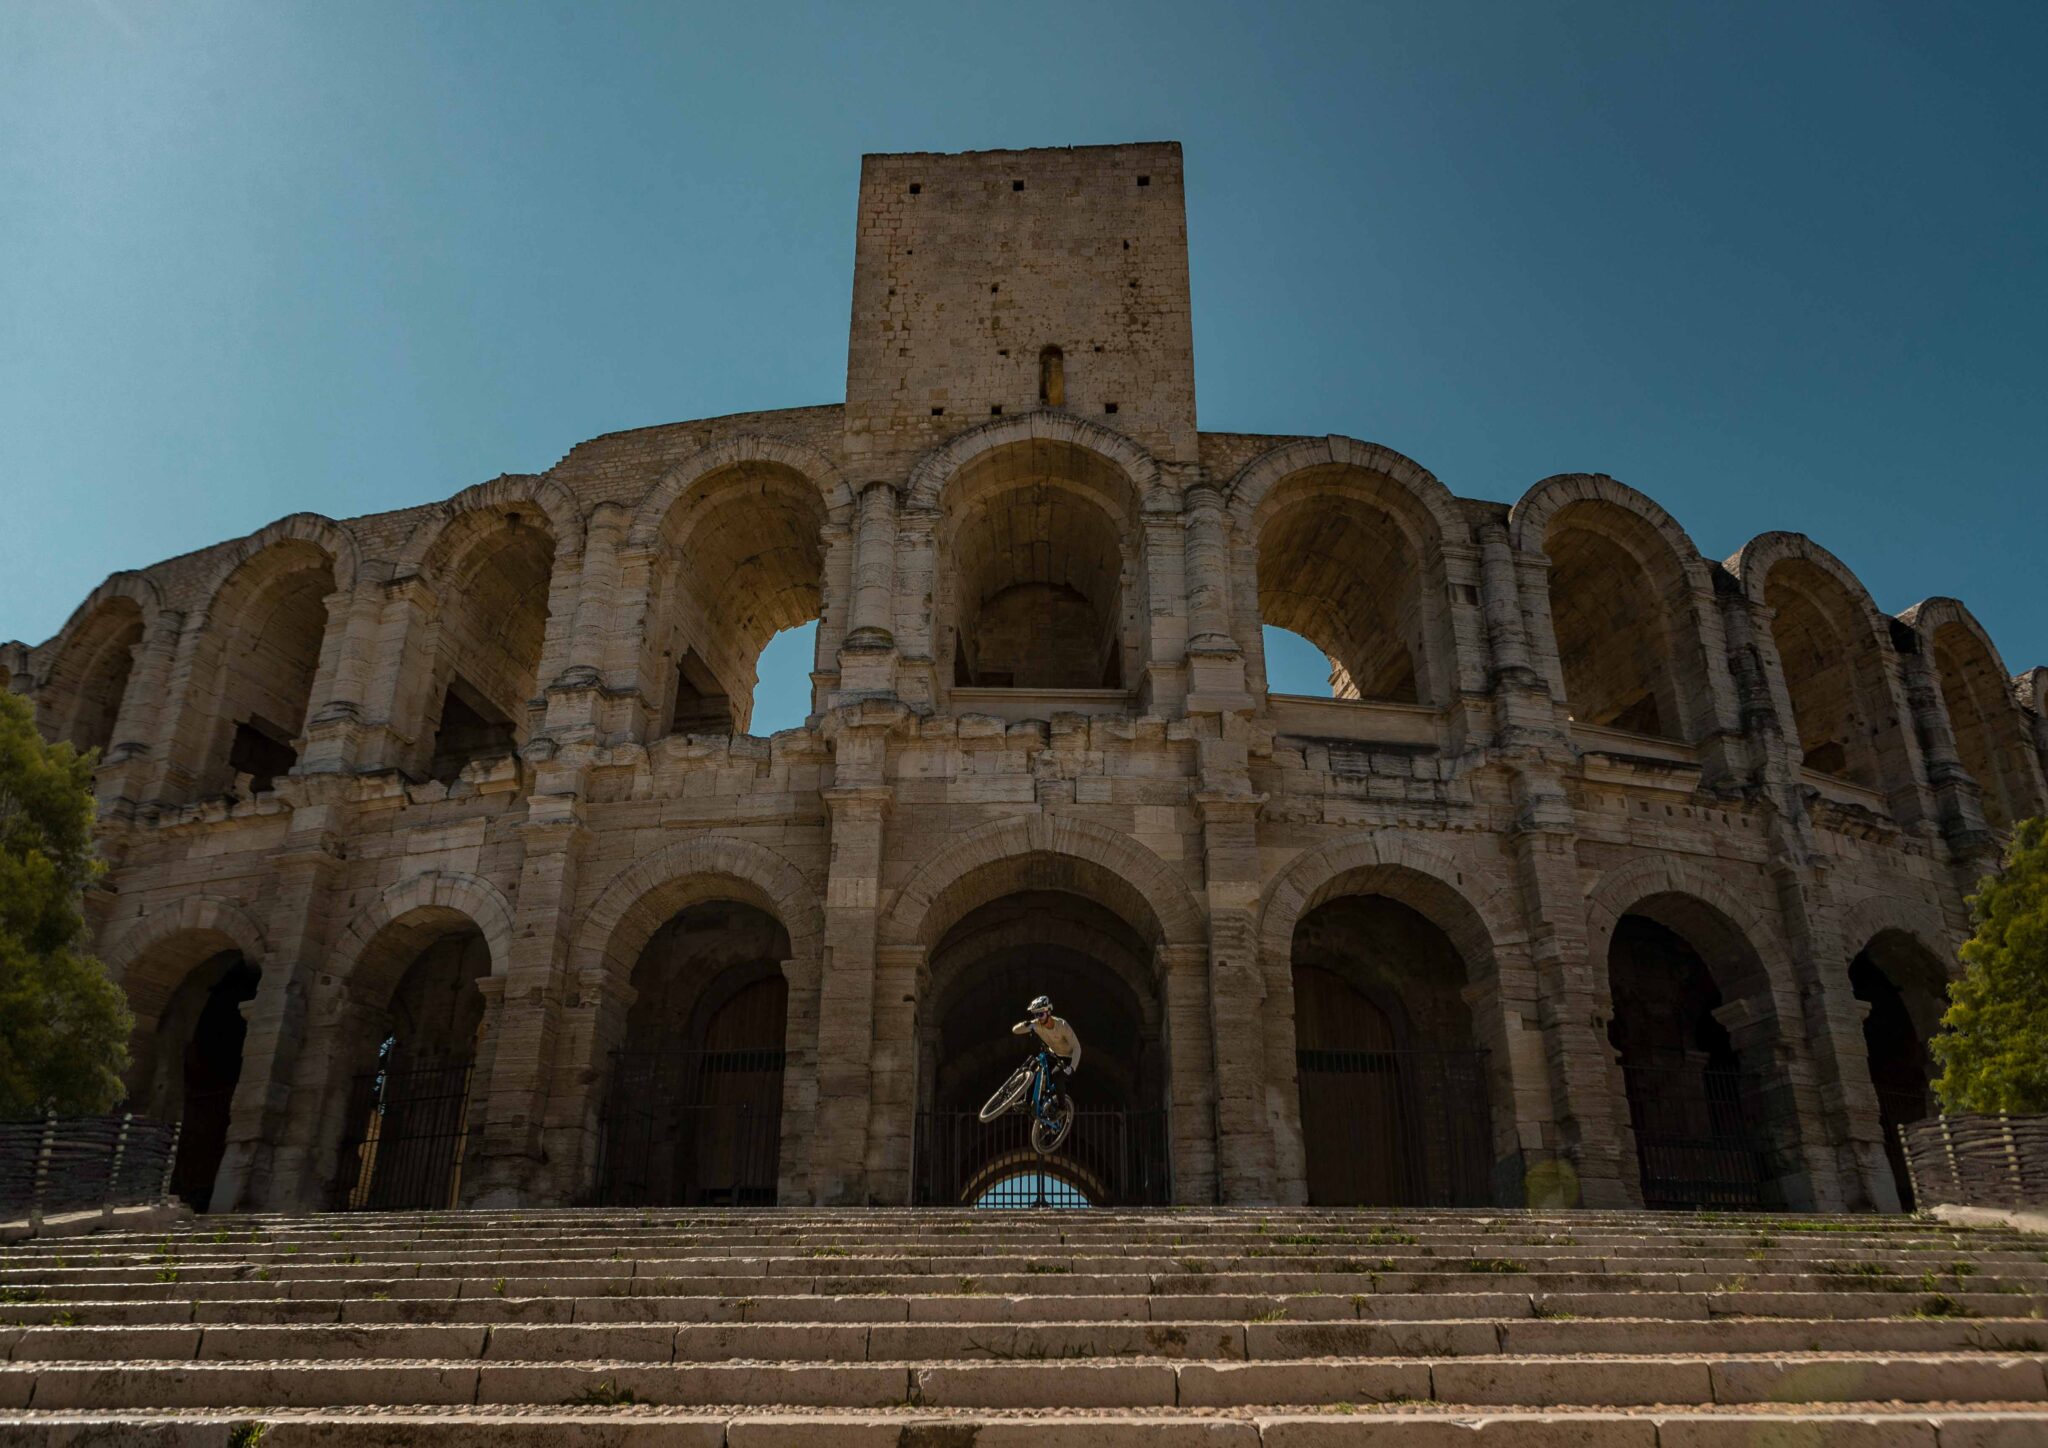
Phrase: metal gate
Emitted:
{"points": [[1694, 1141], [1396, 1128], [408, 1124], [692, 1129], [1109, 1159]]}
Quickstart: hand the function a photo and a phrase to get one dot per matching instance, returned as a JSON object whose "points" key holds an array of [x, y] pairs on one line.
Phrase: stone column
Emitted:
{"points": [[1191, 1113], [1206, 549], [1244, 1136], [1958, 797], [395, 703], [898, 1065], [334, 727], [269, 1158], [597, 589], [857, 1145], [867, 657], [124, 775], [1507, 643], [532, 1121]]}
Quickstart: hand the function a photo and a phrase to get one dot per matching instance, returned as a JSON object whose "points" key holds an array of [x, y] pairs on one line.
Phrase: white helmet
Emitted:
{"points": [[1040, 1006]]}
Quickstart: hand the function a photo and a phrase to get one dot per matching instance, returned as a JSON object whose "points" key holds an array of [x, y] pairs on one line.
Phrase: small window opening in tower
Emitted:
{"points": [[1144, 180], [1052, 378], [1109, 407], [1016, 185], [916, 187]]}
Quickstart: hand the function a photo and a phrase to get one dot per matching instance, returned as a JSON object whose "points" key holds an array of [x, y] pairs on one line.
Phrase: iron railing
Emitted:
{"points": [[1695, 1145], [408, 1125], [692, 1128], [1110, 1159], [1396, 1128], [76, 1163]]}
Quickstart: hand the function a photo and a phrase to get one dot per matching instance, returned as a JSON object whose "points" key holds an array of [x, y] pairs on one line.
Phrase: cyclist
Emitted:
{"points": [[1055, 1034]]}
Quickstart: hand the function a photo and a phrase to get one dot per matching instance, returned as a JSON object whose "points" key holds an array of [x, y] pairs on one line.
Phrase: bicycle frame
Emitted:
{"points": [[1041, 1086]]}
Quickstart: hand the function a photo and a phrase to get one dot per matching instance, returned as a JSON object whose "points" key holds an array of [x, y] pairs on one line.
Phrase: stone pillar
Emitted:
{"points": [[1206, 549], [395, 704], [917, 601], [1191, 1114], [334, 727], [597, 590], [124, 774], [532, 1122], [1507, 643], [874, 567], [1244, 1136], [1958, 797], [899, 1064], [857, 1148], [867, 658], [281, 1096]]}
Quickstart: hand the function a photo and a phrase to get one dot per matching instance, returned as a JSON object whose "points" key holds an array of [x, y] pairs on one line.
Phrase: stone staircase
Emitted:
{"points": [[942, 1329]]}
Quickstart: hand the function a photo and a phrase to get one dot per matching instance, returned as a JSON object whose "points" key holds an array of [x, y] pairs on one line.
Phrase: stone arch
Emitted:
{"points": [[433, 897], [962, 865], [88, 667], [1404, 865], [677, 482], [1749, 970], [137, 588], [1342, 543], [1986, 720], [485, 591], [1628, 599], [1621, 889], [929, 477], [1869, 916], [135, 949], [426, 547], [321, 532], [640, 898], [725, 552], [1263, 473], [1476, 914], [1847, 713]]}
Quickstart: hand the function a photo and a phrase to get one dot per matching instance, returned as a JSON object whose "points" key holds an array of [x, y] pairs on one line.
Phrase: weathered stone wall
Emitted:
{"points": [[1557, 721]]}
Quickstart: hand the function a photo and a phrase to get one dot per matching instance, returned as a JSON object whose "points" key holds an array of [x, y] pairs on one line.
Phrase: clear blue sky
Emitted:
{"points": [[1780, 266]]}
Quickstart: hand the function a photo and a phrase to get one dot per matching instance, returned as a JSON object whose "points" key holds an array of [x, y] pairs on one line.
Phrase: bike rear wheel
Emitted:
{"points": [[1008, 1094], [1049, 1130]]}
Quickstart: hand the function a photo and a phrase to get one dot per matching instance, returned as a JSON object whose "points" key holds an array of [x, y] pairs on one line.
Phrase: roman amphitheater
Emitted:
{"points": [[444, 869]]}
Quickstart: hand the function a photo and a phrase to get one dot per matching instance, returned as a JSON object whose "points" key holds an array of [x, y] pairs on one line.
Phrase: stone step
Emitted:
{"points": [[1639, 1381], [569, 1427], [998, 1340]]}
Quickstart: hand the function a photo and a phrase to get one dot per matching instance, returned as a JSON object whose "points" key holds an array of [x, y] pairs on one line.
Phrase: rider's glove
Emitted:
{"points": [[1068, 1069]]}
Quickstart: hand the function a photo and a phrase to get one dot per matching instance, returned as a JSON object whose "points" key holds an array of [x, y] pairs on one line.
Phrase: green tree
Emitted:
{"points": [[63, 1025], [1994, 1052]]}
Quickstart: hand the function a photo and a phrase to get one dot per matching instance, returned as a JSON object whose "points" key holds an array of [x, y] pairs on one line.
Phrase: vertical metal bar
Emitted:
{"points": [[171, 1159], [108, 1202]]}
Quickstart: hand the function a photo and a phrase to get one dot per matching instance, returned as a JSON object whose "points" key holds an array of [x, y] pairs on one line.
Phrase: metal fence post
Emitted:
{"points": [[113, 1191], [1912, 1171], [171, 1159], [35, 1200]]}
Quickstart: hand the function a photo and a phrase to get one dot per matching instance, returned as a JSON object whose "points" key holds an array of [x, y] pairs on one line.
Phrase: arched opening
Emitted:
{"points": [[1296, 666], [1833, 671], [1037, 564], [740, 562], [192, 1065], [414, 1042], [1394, 1090], [1616, 598], [1991, 735], [1905, 992], [1045, 938], [782, 684], [492, 571], [1347, 560], [1032, 1188], [267, 626], [1714, 1122], [694, 1112], [80, 702]]}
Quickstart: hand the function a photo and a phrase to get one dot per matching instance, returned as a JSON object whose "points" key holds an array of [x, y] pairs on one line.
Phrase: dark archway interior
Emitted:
{"points": [[694, 1116], [1613, 630], [1097, 970], [1904, 988], [408, 1112], [210, 1068], [1696, 1106], [1394, 1092]]}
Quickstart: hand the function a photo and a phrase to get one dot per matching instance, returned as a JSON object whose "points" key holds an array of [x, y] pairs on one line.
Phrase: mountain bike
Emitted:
{"points": [[1051, 1110]]}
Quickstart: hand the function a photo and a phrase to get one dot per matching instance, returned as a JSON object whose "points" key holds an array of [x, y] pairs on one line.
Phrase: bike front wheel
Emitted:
{"points": [[1049, 1130], [1008, 1094]]}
